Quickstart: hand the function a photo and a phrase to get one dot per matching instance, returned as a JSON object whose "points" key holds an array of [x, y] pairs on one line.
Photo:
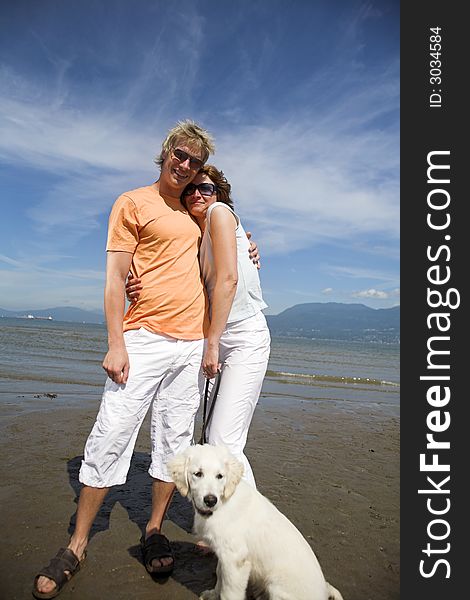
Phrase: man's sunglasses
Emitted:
{"points": [[205, 189], [182, 156]]}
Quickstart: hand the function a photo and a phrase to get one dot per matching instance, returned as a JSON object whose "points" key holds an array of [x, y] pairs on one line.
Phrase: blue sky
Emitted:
{"points": [[302, 98]]}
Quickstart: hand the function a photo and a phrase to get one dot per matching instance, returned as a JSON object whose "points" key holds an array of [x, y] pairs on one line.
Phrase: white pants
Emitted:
{"points": [[165, 373], [244, 351]]}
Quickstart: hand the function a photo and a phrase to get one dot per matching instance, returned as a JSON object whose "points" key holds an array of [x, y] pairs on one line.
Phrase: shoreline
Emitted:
{"points": [[333, 470]]}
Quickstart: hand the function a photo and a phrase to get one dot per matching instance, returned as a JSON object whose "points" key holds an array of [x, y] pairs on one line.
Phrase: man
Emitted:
{"points": [[154, 359]]}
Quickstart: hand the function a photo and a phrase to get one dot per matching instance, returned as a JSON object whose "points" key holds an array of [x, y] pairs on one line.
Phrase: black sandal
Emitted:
{"points": [[155, 547], [64, 560]]}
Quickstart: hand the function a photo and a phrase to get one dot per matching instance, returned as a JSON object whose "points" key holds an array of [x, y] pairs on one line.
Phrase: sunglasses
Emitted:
{"points": [[182, 156], [205, 189]]}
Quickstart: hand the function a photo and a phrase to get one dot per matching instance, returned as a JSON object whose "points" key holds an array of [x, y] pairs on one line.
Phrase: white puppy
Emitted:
{"points": [[253, 541]]}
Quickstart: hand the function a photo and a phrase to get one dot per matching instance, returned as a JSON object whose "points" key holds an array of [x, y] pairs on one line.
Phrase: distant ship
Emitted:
{"points": [[49, 318]]}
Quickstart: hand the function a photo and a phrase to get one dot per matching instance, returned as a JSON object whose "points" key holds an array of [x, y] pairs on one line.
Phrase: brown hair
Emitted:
{"points": [[190, 134], [223, 186]]}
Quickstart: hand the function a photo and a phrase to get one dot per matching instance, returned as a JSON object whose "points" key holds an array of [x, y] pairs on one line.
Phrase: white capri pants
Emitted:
{"points": [[165, 373], [244, 351]]}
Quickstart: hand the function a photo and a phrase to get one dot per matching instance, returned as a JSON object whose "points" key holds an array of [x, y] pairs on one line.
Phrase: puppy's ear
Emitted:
{"points": [[235, 471], [178, 468]]}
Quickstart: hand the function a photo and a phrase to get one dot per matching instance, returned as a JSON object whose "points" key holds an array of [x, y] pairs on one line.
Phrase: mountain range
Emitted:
{"points": [[338, 321], [314, 320]]}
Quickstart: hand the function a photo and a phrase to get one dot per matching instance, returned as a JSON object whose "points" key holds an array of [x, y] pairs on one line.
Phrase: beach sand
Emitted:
{"points": [[331, 467]]}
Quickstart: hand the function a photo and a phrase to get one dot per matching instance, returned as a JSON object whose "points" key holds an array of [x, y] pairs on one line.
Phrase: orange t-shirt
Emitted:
{"points": [[165, 243]]}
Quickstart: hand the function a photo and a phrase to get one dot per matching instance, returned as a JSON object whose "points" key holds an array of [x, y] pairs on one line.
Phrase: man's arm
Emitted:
{"points": [[134, 284], [253, 251], [116, 361]]}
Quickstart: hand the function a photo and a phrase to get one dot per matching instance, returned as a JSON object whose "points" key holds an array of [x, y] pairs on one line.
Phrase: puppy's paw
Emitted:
{"points": [[208, 595]]}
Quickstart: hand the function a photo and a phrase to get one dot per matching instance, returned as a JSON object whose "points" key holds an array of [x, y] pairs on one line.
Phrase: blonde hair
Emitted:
{"points": [[190, 134]]}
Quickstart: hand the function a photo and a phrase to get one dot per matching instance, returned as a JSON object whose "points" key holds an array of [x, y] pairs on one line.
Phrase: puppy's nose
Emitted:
{"points": [[210, 500]]}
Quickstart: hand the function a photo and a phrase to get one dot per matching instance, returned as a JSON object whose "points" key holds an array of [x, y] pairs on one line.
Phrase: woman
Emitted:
{"points": [[238, 339]]}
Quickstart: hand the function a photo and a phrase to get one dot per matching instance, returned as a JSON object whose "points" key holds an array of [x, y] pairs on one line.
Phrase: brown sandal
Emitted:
{"points": [[64, 560]]}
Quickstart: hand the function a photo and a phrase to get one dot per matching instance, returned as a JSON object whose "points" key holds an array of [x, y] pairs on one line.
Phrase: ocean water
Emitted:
{"points": [[50, 357]]}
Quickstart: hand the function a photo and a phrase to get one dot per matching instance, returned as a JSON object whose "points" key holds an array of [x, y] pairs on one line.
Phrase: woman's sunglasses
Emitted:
{"points": [[205, 189]]}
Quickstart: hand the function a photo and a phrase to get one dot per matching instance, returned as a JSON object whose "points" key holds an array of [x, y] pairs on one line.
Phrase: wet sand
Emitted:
{"points": [[331, 467]]}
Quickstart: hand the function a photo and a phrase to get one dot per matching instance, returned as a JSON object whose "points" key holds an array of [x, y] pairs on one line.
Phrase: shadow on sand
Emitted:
{"points": [[135, 496]]}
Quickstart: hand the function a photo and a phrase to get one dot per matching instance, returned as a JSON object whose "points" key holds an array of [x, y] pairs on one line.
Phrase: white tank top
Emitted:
{"points": [[248, 298]]}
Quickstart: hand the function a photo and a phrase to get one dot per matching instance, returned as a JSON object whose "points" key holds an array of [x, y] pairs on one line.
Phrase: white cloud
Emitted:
{"points": [[309, 179], [26, 284], [325, 169], [371, 293], [312, 179], [364, 272], [40, 288]]}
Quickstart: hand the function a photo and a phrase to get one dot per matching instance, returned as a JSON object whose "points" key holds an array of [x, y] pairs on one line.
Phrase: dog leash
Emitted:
{"points": [[207, 417]]}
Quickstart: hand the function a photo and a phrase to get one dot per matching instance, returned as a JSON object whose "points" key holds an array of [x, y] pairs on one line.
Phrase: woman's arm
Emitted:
{"points": [[224, 247]]}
